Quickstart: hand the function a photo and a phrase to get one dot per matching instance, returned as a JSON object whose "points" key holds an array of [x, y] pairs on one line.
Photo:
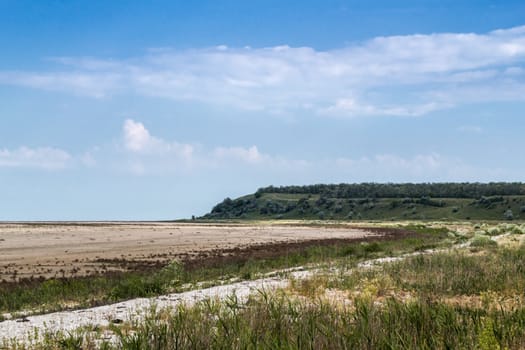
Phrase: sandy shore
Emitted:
{"points": [[75, 249]]}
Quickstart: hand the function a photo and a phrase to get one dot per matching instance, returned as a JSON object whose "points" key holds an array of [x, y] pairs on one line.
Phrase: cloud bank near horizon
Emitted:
{"points": [[46, 158], [137, 152]]}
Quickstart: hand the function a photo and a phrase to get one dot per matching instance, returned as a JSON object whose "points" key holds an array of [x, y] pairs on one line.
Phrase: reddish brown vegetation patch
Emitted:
{"points": [[218, 257]]}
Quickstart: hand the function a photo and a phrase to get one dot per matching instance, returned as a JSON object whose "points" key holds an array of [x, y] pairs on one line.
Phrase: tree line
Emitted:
{"points": [[403, 190]]}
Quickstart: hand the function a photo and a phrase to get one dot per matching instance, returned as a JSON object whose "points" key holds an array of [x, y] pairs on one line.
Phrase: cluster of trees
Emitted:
{"points": [[411, 190], [233, 208], [353, 201], [238, 208]]}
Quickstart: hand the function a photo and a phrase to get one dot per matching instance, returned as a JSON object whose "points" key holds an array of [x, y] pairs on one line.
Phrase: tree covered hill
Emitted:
{"points": [[377, 201]]}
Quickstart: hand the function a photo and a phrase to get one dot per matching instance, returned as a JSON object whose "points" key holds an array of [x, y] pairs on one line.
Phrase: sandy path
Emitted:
{"points": [[23, 330], [67, 249]]}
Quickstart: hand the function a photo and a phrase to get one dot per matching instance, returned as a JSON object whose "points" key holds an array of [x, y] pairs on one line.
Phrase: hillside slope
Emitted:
{"points": [[447, 201]]}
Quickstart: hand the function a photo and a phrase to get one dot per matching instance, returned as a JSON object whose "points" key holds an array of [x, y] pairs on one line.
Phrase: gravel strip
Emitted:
{"points": [[23, 330]]}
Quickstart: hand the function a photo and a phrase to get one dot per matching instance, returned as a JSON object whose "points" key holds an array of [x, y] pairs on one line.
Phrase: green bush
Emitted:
{"points": [[482, 242]]}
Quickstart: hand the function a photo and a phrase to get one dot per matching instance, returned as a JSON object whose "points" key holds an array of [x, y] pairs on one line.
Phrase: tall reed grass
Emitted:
{"points": [[272, 321]]}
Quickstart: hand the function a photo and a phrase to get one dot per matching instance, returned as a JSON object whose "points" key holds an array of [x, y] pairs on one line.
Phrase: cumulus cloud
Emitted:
{"points": [[137, 139], [43, 158], [406, 75], [153, 154], [142, 153]]}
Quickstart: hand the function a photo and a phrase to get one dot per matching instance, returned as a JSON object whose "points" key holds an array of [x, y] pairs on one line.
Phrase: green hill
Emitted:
{"points": [[372, 201]]}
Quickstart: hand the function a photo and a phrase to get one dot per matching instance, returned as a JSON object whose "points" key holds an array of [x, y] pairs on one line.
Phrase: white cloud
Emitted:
{"points": [[432, 167], [86, 83], [150, 154], [43, 158], [397, 75], [248, 155], [137, 139], [147, 154], [351, 107]]}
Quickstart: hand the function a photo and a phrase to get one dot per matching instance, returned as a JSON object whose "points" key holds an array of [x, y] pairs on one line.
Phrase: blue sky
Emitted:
{"points": [[159, 109]]}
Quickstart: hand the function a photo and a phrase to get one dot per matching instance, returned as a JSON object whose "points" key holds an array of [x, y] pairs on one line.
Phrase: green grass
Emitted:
{"points": [[273, 321], [501, 270], [59, 294], [446, 274]]}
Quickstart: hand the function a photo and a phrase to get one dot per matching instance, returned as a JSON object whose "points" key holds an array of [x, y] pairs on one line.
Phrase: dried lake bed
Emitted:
{"points": [[66, 249]]}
